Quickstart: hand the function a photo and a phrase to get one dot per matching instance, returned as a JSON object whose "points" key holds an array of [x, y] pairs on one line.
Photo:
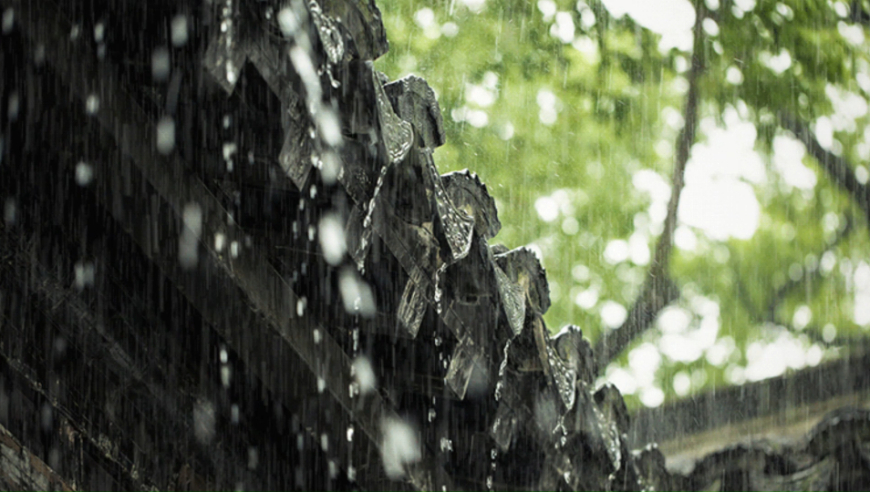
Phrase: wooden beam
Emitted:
{"points": [[42, 296]]}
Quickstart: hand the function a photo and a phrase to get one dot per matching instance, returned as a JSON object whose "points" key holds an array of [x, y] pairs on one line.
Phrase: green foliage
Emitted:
{"points": [[560, 128]]}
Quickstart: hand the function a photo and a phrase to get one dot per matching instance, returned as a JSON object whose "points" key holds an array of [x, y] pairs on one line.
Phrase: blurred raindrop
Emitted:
{"points": [[361, 370], [99, 32], [84, 274], [92, 104], [12, 106], [188, 242], [165, 135], [400, 447], [10, 211], [160, 64], [332, 241], [84, 173], [356, 294], [8, 20], [204, 421], [179, 30], [46, 417]]}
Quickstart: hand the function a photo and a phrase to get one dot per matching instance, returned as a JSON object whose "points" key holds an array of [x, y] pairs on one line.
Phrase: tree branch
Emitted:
{"points": [[769, 315], [603, 21], [658, 289], [858, 14], [838, 169], [791, 284]]}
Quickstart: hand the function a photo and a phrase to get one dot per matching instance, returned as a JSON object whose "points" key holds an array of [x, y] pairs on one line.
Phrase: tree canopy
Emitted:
{"points": [[590, 121]]}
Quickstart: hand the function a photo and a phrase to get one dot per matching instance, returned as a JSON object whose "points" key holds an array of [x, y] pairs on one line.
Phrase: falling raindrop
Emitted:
{"points": [[367, 222], [165, 135], [330, 128], [187, 244], [204, 421], [356, 294], [361, 370], [92, 104], [12, 106], [99, 32], [229, 149], [446, 445], [60, 346], [232, 72], [399, 447], [84, 173], [84, 274], [287, 22], [8, 20], [160, 64], [330, 168], [437, 296], [179, 30], [10, 212], [47, 418], [226, 374]]}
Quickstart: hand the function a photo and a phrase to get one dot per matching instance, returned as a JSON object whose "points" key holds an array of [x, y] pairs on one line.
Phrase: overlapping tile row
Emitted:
{"points": [[301, 225]]}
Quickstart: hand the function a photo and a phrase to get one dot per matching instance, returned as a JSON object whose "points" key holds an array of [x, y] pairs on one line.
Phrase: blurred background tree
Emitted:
{"points": [[580, 117]]}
